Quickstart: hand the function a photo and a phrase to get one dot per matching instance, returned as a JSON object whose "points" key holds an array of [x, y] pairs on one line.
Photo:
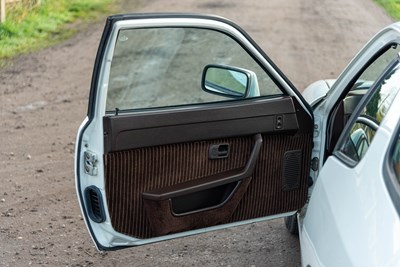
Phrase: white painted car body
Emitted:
{"points": [[350, 218]]}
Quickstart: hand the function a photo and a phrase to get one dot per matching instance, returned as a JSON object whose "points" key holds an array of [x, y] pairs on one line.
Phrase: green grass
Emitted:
{"points": [[392, 7], [27, 29]]}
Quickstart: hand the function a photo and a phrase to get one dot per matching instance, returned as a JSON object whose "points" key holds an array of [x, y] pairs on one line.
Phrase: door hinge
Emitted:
{"points": [[90, 164]]}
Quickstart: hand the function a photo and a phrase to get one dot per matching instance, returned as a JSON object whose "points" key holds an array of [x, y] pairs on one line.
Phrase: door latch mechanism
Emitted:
{"points": [[314, 164], [90, 165]]}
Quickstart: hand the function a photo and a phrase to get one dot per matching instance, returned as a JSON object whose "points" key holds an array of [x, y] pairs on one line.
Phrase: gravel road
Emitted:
{"points": [[43, 99]]}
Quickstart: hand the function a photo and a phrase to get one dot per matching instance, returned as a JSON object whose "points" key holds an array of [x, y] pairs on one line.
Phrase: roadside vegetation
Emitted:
{"points": [[392, 7], [30, 27]]}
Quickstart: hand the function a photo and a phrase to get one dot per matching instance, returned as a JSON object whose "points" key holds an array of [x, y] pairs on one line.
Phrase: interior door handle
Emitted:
{"points": [[220, 151]]}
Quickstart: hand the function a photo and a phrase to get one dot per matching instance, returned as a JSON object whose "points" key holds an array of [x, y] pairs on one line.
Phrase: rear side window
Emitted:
{"points": [[357, 89], [396, 159], [376, 68], [392, 170], [371, 114]]}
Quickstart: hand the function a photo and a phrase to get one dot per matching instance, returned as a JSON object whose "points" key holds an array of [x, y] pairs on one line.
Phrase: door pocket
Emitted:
{"points": [[204, 200], [163, 220]]}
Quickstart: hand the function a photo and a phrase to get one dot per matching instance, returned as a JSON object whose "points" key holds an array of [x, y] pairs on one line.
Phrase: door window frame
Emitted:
{"points": [[368, 96], [348, 87], [114, 23]]}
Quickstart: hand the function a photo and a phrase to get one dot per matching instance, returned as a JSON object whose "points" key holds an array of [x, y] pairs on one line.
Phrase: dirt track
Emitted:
{"points": [[43, 99]]}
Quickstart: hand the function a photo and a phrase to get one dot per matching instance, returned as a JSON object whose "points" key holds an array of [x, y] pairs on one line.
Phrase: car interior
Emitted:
{"points": [[341, 114]]}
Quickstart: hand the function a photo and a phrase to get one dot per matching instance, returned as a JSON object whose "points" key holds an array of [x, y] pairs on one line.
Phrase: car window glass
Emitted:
{"points": [[356, 91], [367, 78], [372, 113], [161, 67], [396, 159], [375, 69]]}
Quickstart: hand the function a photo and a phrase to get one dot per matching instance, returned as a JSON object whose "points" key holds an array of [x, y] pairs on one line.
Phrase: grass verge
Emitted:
{"points": [[29, 28], [392, 7]]}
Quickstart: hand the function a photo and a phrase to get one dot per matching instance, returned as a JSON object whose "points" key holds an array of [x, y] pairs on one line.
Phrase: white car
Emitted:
{"points": [[191, 128]]}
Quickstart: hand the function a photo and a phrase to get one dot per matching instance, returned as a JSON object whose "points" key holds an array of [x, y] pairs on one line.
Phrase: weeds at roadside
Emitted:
{"points": [[30, 27], [392, 7]]}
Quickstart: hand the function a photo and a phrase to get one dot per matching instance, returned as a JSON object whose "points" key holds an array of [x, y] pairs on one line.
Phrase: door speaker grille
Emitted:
{"points": [[291, 170]]}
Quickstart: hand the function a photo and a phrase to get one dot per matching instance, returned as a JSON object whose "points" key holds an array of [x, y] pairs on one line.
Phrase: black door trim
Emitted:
{"points": [[228, 119]]}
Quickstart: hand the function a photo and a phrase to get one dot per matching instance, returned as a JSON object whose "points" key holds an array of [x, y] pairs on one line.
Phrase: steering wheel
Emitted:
{"points": [[358, 142], [369, 121]]}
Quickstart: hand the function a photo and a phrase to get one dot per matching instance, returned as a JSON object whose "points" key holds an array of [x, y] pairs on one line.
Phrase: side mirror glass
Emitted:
{"points": [[225, 81]]}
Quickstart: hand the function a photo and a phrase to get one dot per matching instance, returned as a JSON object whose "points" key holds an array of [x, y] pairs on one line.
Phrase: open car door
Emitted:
{"points": [[190, 128]]}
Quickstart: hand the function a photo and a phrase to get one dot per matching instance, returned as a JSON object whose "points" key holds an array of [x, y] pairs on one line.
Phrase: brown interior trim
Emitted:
{"points": [[209, 181], [228, 119], [129, 173]]}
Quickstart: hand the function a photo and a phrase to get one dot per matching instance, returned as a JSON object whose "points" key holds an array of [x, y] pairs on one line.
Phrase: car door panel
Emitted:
{"points": [[154, 169], [152, 180]]}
